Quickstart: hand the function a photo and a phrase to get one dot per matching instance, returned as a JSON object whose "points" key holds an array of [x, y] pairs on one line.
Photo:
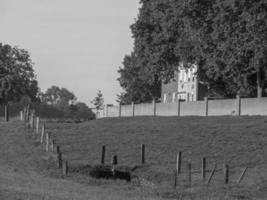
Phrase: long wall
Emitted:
{"points": [[238, 106]]}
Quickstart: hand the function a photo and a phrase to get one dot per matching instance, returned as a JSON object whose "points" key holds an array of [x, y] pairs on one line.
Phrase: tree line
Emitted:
{"points": [[227, 39], [19, 88]]}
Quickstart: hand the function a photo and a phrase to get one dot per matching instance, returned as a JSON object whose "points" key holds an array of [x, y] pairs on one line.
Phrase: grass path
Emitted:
{"points": [[19, 178]]}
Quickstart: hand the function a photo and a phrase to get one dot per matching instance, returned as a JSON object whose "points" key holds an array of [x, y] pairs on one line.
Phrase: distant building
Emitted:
{"points": [[185, 87]]}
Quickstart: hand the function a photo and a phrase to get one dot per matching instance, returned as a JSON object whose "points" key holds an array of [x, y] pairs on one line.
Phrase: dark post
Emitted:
{"points": [[58, 149], [175, 178], [103, 154], [143, 154], [226, 174], [28, 113], [179, 162], [59, 157], [65, 168], [52, 145], [189, 174], [203, 170], [114, 160], [6, 112]]}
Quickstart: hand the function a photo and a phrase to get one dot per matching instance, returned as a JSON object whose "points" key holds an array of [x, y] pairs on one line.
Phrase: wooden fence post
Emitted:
{"points": [[37, 125], [28, 113], [21, 115], [203, 169], [6, 112], [179, 162], [175, 178], [114, 162], [189, 174], [142, 154], [42, 134], [206, 100], [25, 114], [52, 145], [32, 121], [47, 141], [65, 168], [103, 154], [59, 158], [226, 173]]}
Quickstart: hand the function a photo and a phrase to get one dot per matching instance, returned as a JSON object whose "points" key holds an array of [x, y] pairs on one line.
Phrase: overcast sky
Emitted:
{"points": [[77, 44]]}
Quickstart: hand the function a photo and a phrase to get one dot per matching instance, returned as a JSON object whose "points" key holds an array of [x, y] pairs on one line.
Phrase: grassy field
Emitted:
{"points": [[28, 172], [238, 141]]}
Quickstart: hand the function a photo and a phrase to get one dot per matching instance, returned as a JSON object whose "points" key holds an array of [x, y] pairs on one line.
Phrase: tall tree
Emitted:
{"points": [[98, 101], [17, 77], [59, 97], [226, 38]]}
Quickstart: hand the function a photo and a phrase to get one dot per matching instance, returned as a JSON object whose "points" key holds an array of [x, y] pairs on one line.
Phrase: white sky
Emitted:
{"points": [[77, 44]]}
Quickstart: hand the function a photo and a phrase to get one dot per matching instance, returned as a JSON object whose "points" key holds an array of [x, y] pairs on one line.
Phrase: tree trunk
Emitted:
{"points": [[6, 113], [259, 83]]}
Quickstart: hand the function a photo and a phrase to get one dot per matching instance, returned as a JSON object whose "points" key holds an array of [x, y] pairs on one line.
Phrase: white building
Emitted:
{"points": [[185, 87]]}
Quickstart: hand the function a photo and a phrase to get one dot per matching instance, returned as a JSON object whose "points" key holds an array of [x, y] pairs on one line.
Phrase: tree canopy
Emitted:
{"points": [[17, 78], [227, 39], [58, 97], [98, 101]]}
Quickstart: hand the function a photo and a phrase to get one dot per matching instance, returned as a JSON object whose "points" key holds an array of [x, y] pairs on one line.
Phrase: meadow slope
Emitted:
{"points": [[239, 141], [25, 172]]}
